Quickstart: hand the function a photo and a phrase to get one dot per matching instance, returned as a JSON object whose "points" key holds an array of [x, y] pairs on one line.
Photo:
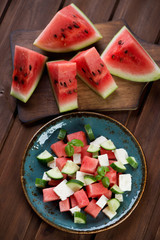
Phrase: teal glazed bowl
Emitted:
{"points": [[32, 169]]}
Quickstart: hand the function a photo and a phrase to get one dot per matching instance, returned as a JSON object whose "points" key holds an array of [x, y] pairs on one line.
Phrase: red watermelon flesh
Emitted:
{"points": [[81, 198], [92, 70], [93, 209], [110, 154], [60, 162], [73, 201], [84, 152], [69, 30], [89, 165], [64, 84], [28, 68], [64, 205], [59, 149], [49, 195], [80, 135], [126, 58], [96, 190]]}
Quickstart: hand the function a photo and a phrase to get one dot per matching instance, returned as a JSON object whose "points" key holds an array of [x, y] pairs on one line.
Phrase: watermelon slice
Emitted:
{"points": [[64, 84], [69, 30], [92, 70], [28, 68], [126, 58]]}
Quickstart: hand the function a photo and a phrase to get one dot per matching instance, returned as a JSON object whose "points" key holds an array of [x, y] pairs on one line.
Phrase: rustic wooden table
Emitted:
{"points": [[17, 219]]}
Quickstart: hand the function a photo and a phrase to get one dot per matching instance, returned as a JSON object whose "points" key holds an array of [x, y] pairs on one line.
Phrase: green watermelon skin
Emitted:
{"points": [[28, 68], [69, 30], [93, 71], [63, 80], [126, 58]]}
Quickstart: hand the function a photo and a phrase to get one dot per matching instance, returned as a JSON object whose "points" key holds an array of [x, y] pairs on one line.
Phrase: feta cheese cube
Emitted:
{"points": [[77, 158], [125, 182], [103, 160], [52, 164], [121, 155], [102, 201], [98, 141], [62, 190], [45, 177], [109, 213], [119, 196], [74, 209]]}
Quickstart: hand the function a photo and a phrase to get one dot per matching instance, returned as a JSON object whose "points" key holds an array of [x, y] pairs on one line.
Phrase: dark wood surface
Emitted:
{"points": [[17, 220]]}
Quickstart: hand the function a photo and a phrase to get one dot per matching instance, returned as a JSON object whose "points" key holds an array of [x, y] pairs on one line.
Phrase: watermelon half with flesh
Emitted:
{"points": [[93, 71], [62, 76], [68, 30], [126, 58], [28, 68]]}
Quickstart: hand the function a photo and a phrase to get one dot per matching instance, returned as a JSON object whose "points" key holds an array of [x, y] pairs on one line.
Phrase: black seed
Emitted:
{"points": [[55, 35], [101, 64], [99, 71], [15, 78], [83, 70], [97, 83], [63, 35], [74, 16], [65, 85], [62, 29], [113, 56], [126, 51], [93, 74], [75, 25], [55, 81], [30, 67], [85, 31], [61, 83], [120, 42], [69, 92], [22, 81], [90, 79], [70, 27], [20, 69], [25, 74], [70, 80]]}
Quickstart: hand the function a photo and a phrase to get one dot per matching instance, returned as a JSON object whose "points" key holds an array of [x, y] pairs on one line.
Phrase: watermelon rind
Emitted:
{"points": [[25, 97], [154, 75], [75, 47]]}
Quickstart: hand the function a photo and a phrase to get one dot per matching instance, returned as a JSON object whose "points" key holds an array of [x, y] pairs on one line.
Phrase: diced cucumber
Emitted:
{"points": [[54, 173], [116, 189], [74, 184], [89, 179], [93, 148], [113, 204], [89, 132], [45, 157], [132, 161], [40, 183], [79, 218], [108, 145], [119, 197], [118, 166], [70, 167], [62, 133]]}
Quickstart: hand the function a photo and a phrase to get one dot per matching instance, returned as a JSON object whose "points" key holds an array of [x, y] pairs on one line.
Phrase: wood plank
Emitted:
{"points": [[127, 96], [4, 4], [33, 18]]}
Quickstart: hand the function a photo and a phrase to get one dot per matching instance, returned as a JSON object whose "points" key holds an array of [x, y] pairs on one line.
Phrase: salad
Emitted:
{"points": [[85, 178]]}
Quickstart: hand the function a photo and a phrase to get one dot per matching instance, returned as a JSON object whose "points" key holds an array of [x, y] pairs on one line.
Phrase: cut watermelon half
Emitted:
{"points": [[28, 68], [64, 84], [93, 71], [126, 58], [69, 30]]}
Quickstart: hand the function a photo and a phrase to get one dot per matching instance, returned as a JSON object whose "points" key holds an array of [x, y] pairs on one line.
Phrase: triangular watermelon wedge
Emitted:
{"points": [[126, 58], [69, 30]]}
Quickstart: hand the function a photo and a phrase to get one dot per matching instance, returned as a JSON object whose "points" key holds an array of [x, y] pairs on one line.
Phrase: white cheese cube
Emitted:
{"points": [[98, 141], [52, 164], [80, 176], [74, 209], [45, 177], [77, 158], [119, 196], [62, 190], [121, 155], [102, 201], [125, 182], [103, 160], [109, 213]]}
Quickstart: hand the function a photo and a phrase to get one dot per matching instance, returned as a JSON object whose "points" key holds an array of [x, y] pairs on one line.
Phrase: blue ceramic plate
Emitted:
{"points": [[101, 125]]}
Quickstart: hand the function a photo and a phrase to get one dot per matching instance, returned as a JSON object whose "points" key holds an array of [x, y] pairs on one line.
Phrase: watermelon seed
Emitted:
{"points": [[65, 85], [63, 35], [126, 51], [85, 31], [113, 56], [93, 74], [76, 25], [62, 29], [74, 16], [70, 27], [15, 78], [70, 80], [55, 81], [61, 83], [20, 69], [69, 92], [30, 67], [97, 83], [22, 81], [25, 74], [83, 70], [55, 35], [120, 42], [90, 79], [99, 71], [101, 64]]}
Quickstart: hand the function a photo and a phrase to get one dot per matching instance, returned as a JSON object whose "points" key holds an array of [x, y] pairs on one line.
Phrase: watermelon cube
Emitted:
{"points": [[84, 152], [78, 135], [49, 195], [110, 154], [112, 175], [96, 190], [64, 205], [73, 201], [89, 165], [93, 209], [54, 182], [59, 149], [81, 198], [60, 162]]}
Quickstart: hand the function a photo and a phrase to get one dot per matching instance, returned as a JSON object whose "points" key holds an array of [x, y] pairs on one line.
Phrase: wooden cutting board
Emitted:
{"points": [[42, 103]]}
